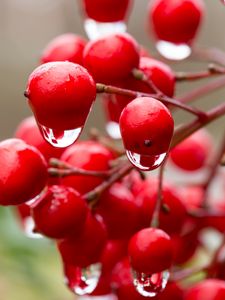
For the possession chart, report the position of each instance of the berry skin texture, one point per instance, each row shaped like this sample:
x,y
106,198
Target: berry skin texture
x,y
193,153
210,289
150,251
59,212
111,58
23,172
87,155
29,132
60,95
175,21
113,205
106,10
146,126
65,47
86,248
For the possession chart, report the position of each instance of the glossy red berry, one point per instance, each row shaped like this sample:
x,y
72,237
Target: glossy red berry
x,y
113,206
65,47
23,172
150,251
146,127
29,132
60,95
172,218
106,10
210,289
59,212
175,21
111,58
90,156
86,248
193,153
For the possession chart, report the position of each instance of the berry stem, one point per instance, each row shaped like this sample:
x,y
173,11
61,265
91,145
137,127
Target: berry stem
x,y
92,196
212,71
205,89
213,170
102,88
186,273
184,130
62,169
158,204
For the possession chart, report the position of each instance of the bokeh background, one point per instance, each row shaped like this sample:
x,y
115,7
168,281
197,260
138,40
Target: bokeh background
x,y
30,269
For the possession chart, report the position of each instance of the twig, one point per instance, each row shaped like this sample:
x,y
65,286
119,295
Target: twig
x,y
92,196
102,88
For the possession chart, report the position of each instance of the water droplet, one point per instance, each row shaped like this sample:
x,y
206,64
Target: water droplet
x,y
173,51
97,30
82,281
103,297
113,130
28,227
149,285
60,139
145,162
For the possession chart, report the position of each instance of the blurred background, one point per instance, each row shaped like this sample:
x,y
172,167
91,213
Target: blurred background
x,y
30,269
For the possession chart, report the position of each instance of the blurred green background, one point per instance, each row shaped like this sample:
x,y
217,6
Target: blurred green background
x,y
30,269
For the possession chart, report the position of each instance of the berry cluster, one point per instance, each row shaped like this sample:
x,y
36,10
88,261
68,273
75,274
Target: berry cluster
x,y
117,230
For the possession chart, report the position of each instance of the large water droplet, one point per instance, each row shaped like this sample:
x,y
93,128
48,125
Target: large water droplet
x,y
145,162
113,130
58,138
149,285
173,51
82,281
28,227
95,30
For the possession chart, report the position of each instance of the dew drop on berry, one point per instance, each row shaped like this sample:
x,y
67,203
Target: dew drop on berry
x,y
173,51
58,138
82,281
96,30
102,297
28,227
113,130
149,285
145,162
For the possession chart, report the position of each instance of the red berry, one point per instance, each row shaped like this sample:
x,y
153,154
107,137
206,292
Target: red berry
x,y
146,127
106,10
175,21
61,95
29,132
65,47
111,58
150,251
59,212
86,248
193,153
87,155
113,205
209,289
172,219
23,172
172,291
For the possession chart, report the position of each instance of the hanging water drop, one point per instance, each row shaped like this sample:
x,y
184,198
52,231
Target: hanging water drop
x,y
113,130
149,285
95,30
173,51
82,281
145,162
28,227
59,138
